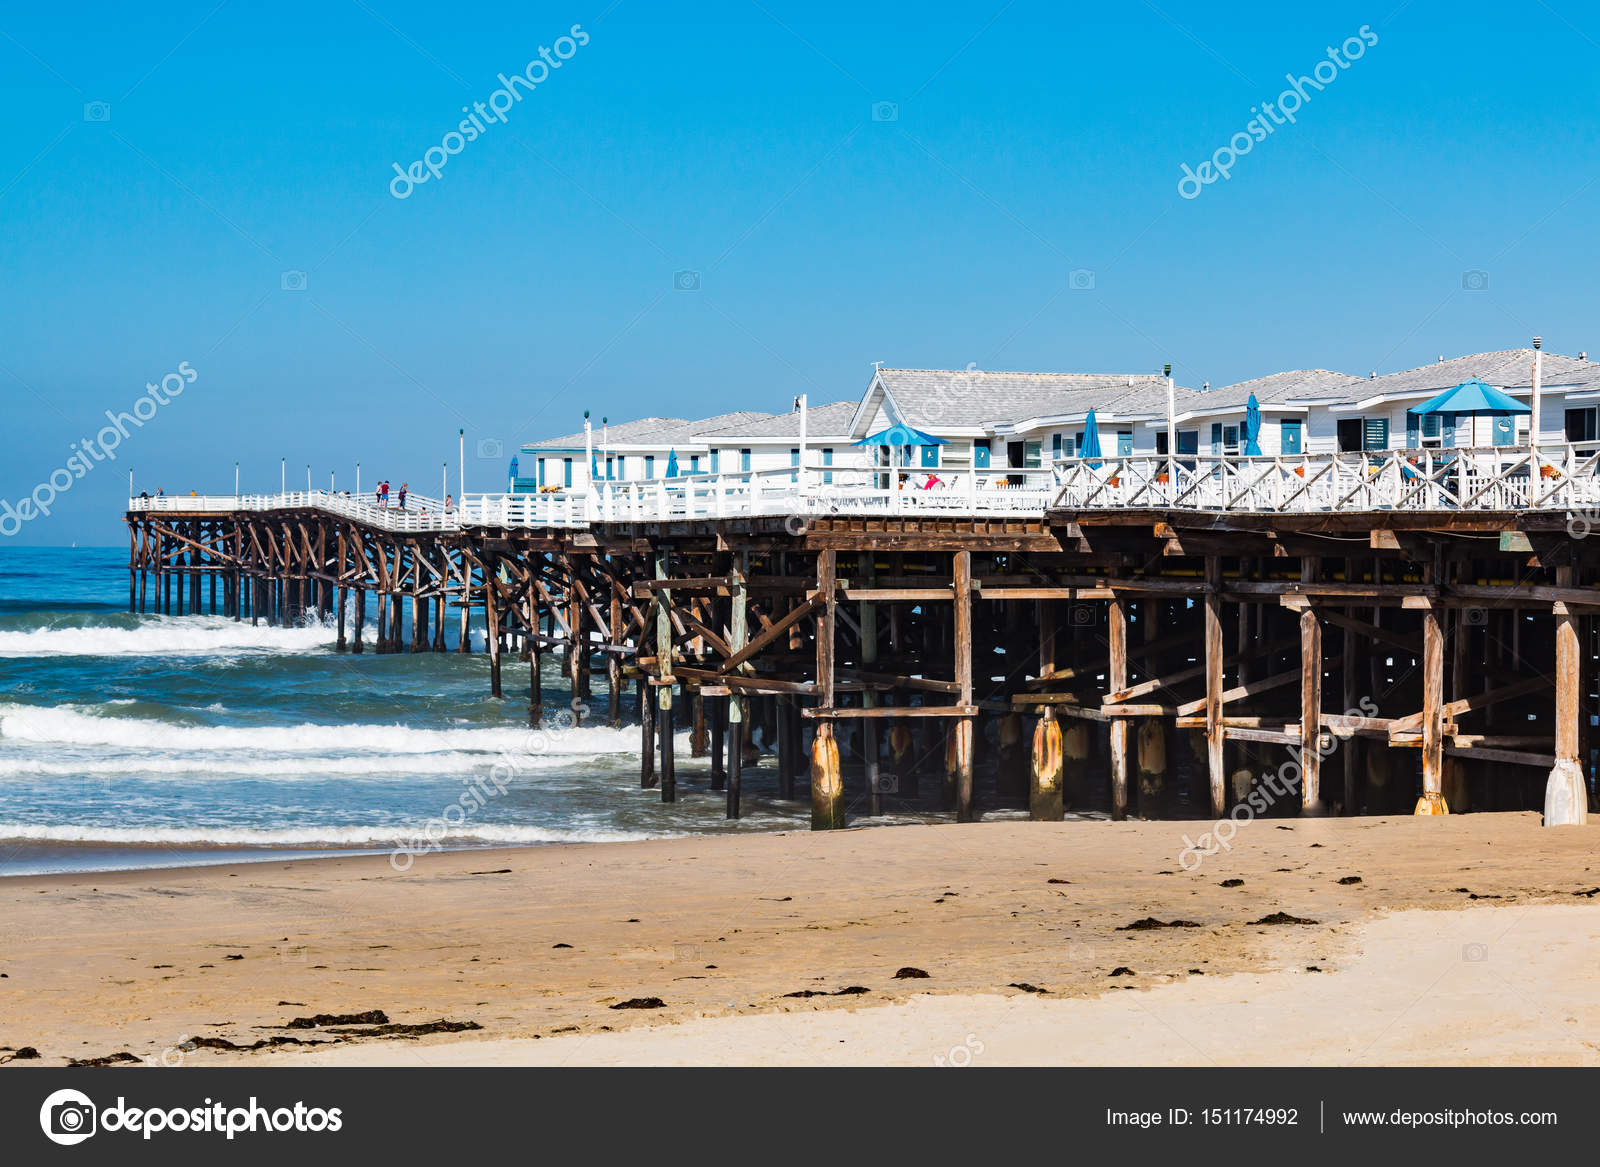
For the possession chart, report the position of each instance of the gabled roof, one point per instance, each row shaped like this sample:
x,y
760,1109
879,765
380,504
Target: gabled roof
x,y
966,399
648,431
1506,369
1295,385
822,422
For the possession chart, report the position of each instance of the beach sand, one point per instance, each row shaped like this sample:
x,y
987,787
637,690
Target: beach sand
x,y
1454,940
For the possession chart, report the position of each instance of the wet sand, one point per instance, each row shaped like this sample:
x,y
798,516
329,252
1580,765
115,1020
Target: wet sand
x,y
1435,940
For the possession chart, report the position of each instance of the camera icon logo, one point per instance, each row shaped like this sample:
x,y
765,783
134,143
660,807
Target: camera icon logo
x,y
1474,953
796,525
1474,617
1081,280
491,449
293,281
886,784
97,111
67,1117
686,280
885,111
1082,616
1475,280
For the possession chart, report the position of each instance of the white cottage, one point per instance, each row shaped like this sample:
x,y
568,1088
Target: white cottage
x,y
1011,421
1325,412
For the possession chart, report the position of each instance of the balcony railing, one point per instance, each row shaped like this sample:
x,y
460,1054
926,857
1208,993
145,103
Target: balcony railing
x,y
1500,478
1493,478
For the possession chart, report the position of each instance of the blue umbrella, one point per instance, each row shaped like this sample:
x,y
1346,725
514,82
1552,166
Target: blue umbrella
x,y
594,468
901,435
672,463
1089,447
1252,427
1475,397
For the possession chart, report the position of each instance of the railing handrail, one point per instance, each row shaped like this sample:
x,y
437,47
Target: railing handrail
x,y
1549,477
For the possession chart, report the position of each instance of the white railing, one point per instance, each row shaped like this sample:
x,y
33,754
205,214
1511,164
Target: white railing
x,y
421,513
1493,478
1501,478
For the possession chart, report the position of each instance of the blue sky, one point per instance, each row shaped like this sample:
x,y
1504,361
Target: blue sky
x,y
536,276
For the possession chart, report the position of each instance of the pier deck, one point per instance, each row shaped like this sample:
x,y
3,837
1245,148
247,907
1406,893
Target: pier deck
x,y
1335,633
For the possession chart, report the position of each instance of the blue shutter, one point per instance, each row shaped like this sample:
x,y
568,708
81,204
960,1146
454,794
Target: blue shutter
x,y
1124,443
716,461
827,460
1055,447
1413,434
649,466
566,471
1375,433
1216,437
980,455
744,459
1289,436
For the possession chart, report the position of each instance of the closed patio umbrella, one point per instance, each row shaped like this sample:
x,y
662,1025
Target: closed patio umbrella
x,y
1252,427
672,463
1090,447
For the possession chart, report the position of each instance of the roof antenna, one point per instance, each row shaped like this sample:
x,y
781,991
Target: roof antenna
x,y
1205,384
1372,376
878,365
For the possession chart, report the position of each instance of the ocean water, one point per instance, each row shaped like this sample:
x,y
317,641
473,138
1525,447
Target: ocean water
x,y
132,741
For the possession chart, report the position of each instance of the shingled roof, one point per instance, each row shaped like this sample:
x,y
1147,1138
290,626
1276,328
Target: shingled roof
x,y
650,431
1295,385
974,398
1506,369
822,421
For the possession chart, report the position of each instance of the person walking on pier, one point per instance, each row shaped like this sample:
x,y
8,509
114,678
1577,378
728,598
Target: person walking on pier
x,y
404,488
383,493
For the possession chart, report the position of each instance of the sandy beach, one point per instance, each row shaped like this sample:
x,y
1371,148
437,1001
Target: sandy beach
x,y
1333,941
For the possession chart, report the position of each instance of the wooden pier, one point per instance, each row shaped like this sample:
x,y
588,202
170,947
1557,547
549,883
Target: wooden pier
x,y
1167,660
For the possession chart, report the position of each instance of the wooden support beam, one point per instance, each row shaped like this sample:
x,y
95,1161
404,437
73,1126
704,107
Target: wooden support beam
x,y
961,573
1432,800
1213,701
1310,706
1117,678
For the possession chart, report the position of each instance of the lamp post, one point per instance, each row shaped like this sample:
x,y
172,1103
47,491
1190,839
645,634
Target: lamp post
x,y
462,434
235,479
444,481
1172,429
588,453
800,404
358,479
1538,376
283,475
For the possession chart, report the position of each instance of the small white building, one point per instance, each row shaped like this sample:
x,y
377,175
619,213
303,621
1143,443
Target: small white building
x,y
772,441
1011,421
1327,412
